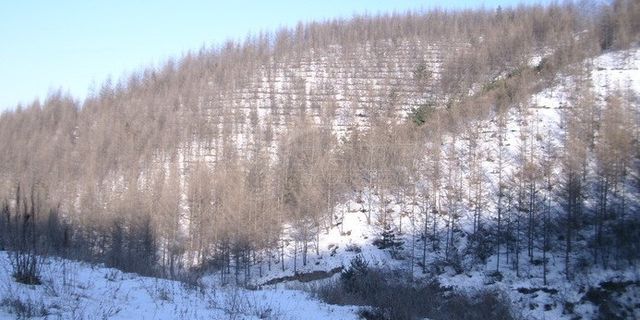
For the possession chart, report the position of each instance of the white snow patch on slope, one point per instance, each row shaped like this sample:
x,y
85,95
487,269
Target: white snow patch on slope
x,y
74,290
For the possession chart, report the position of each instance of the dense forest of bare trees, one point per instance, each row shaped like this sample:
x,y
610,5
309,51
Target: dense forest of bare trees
x,y
225,159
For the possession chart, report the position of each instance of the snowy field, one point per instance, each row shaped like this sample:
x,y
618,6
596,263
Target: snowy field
x,y
73,290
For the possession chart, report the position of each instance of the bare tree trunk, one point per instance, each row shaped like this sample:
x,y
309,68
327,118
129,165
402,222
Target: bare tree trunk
x,y
426,235
295,256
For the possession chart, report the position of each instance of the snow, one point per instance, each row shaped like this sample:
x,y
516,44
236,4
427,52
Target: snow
x,y
75,290
618,70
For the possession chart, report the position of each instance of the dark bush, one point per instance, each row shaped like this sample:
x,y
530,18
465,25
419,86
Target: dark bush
x,y
482,306
421,114
354,279
388,240
23,238
24,309
372,314
391,296
481,245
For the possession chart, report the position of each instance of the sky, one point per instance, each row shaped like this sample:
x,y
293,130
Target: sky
x,y
75,45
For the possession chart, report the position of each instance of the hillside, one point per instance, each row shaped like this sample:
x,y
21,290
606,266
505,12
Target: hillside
x,y
454,158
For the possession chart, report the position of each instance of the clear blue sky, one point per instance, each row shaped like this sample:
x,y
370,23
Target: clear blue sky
x,y
73,44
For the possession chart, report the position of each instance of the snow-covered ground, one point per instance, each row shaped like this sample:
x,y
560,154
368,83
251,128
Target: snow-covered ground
x,y
74,290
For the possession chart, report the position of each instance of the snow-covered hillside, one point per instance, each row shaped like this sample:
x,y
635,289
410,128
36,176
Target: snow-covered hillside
x,y
74,290
542,116
334,85
182,164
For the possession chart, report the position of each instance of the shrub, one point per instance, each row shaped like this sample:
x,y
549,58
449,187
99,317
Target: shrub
x,y
354,278
24,309
24,259
372,314
389,296
421,114
352,248
26,267
388,240
481,306
481,245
